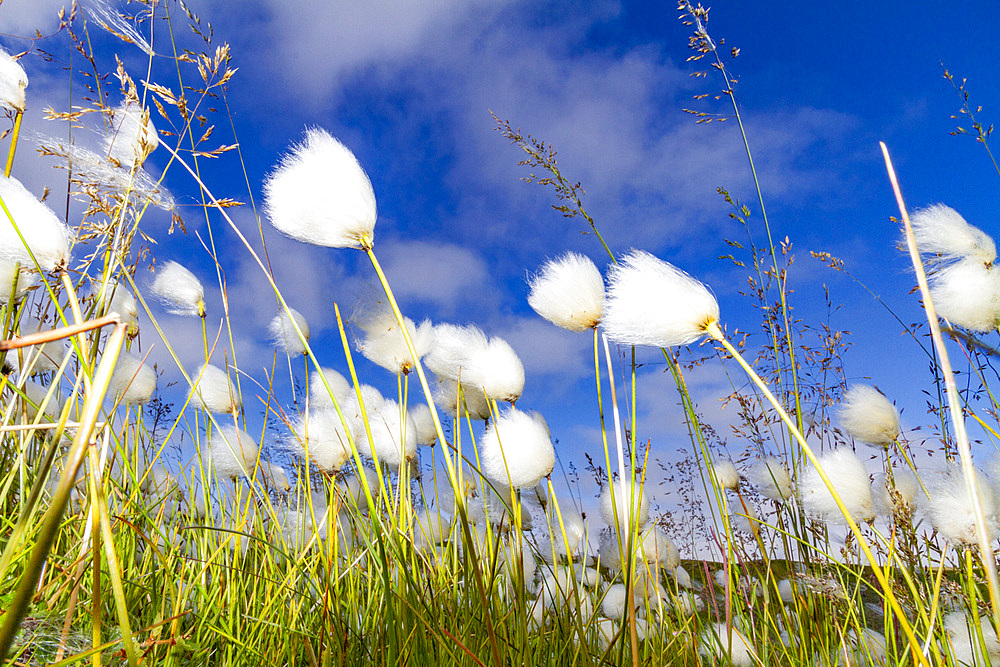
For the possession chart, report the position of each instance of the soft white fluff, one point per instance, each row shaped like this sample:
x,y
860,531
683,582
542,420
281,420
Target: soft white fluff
x,y
384,344
868,416
13,81
179,289
214,391
322,437
275,475
431,526
651,302
967,642
283,333
850,480
624,504
906,488
133,136
456,400
615,602
569,292
133,382
234,452
742,518
575,531
967,294
319,194
393,440
516,450
466,354
726,474
721,642
941,230
357,411
36,394
339,386
123,303
771,479
44,233
656,548
950,509
25,279
353,491
423,422
40,358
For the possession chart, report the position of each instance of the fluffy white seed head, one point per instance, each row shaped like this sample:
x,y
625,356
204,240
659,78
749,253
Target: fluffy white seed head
x,y
743,518
383,342
771,479
897,496
868,416
352,489
569,292
13,81
284,335
37,394
423,422
940,230
133,136
850,480
967,641
516,450
615,603
651,302
25,280
459,398
967,294
393,441
214,391
431,526
48,238
321,436
633,503
179,290
275,475
721,641
124,303
319,194
950,506
657,549
357,411
35,359
567,537
319,397
234,452
466,354
133,382
726,474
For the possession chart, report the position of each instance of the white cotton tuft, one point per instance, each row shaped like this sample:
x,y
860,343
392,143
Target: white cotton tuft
x,y
353,491
950,506
868,416
319,194
48,238
516,450
431,526
625,505
25,280
568,536
459,400
133,136
423,422
37,394
384,344
13,81
771,479
651,302
319,397
720,641
465,354
283,333
743,518
133,382
569,292
321,436
371,400
40,358
967,294
234,452
726,474
124,303
214,391
179,290
275,475
967,641
896,496
393,441
850,480
656,548
615,602
940,230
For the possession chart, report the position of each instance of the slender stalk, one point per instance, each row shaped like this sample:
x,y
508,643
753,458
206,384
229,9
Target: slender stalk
x,y
954,399
13,144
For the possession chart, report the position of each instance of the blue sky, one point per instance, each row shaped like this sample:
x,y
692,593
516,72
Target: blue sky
x,y
409,89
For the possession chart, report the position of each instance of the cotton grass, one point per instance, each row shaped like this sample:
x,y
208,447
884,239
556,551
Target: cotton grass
x,y
179,290
234,452
569,292
284,335
850,480
868,416
45,237
214,391
132,382
516,450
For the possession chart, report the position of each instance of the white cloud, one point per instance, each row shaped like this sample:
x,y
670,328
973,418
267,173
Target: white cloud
x,y
443,275
23,17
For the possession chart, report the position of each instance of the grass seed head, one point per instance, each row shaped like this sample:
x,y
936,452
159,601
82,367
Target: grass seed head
x,y
283,333
850,480
133,136
868,416
48,238
234,452
942,232
13,81
319,194
133,382
516,450
214,391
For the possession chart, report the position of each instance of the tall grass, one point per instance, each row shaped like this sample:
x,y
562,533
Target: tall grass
x,y
123,540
